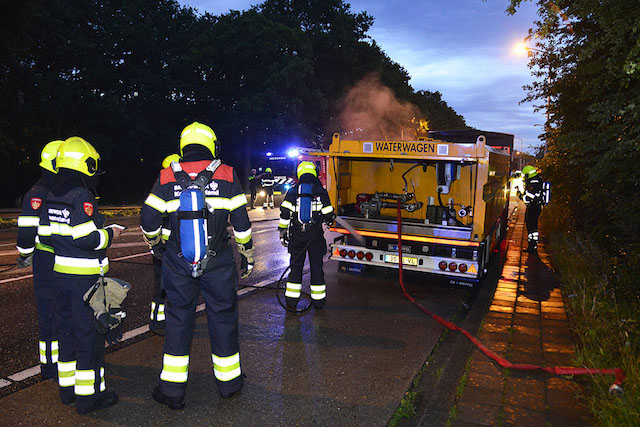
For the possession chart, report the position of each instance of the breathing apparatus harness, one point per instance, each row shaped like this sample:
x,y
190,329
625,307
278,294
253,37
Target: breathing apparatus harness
x,y
195,217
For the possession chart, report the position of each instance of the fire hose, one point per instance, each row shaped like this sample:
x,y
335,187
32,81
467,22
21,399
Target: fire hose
x,y
615,389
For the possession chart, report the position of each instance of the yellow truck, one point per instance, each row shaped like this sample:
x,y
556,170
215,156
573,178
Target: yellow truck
x,y
453,192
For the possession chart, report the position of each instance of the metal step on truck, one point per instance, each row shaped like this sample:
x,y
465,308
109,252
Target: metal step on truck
x,y
453,192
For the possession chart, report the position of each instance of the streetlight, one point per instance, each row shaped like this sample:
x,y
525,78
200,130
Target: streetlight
x,y
520,49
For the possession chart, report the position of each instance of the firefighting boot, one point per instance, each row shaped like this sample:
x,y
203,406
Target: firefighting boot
x,y
106,399
292,303
532,247
318,304
172,402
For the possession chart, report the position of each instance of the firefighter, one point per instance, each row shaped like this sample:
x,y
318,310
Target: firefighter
x,y
267,185
32,251
305,207
253,188
214,275
79,241
158,302
533,198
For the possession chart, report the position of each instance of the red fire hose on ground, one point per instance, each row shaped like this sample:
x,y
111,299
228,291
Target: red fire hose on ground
x,y
619,373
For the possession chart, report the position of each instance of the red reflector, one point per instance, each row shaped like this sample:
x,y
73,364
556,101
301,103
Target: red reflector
x,y
463,268
360,255
368,256
343,253
442,265
352,253
453,266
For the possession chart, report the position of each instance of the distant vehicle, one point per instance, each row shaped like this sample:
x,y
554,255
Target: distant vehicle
x,y
284,167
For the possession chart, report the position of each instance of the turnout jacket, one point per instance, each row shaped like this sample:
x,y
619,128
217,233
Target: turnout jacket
x,y
29,219
321,208
224,198
533,191
72,225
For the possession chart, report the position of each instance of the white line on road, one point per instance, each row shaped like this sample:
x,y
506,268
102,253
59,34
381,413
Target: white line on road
x,y
35,370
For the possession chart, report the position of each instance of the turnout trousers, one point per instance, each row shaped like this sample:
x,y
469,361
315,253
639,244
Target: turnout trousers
x,y
43,288
531,220
218,287
157,302
81,361
316,250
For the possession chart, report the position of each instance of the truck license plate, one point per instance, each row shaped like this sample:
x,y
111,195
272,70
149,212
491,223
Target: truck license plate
x,y
405,260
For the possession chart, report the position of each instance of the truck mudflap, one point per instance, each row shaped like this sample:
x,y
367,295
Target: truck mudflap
x,y
461,269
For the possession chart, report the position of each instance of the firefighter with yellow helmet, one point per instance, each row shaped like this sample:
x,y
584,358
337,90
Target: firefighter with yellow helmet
x,y
268,181
534,198
34,252
200,195
156,315
74,229
304,208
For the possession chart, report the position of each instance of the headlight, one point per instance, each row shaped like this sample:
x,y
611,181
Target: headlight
x,y
262,193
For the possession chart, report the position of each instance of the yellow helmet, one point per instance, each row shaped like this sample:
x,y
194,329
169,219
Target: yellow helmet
x,y
307,167
197,133
48,155
529,171
77,154
170,159
268,170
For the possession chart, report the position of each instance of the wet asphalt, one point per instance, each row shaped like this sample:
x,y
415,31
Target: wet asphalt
x,y
350,363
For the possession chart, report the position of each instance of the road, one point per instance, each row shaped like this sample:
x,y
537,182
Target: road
x,y
368,343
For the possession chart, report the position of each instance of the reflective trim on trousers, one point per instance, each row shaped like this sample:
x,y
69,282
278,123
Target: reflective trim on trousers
x,y
43,352
175,369
226,368
318,291
293,290
85,382
160,316
67,373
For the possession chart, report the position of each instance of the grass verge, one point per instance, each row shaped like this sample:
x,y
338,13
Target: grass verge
x,y
603,294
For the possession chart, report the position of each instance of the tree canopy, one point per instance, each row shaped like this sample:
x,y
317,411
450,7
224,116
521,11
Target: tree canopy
x,y
588,64
129,75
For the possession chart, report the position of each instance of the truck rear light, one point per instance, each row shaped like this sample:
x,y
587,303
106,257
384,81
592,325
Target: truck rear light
x,y
462,268
442,265
352,253
368,256
453,266
360,255
343,253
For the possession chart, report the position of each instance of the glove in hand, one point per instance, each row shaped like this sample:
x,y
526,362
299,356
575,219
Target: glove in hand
x,y
284,237
158,250
247,261
24,262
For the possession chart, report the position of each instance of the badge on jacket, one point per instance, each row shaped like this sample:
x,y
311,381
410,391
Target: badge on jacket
x,y
36,203
88,208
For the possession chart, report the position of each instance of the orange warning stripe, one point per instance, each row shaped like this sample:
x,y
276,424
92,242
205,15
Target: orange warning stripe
x,y
409,238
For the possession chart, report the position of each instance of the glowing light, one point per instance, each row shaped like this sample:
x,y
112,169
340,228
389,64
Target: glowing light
x,y
287,186
269,154
262,193
520,49
293,153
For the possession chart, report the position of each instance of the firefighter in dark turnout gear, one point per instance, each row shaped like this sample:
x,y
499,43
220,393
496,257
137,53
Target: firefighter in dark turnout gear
x,y
267,182
214,275
159,295
33,251
533,198
79,241
253,188
305,207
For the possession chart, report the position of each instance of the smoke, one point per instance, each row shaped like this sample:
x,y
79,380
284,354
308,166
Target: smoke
x,y
372,111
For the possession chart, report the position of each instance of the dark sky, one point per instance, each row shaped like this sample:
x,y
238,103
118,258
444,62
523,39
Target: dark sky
x,y
462,48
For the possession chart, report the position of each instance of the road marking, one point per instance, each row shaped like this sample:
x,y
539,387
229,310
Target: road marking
x,y
35,370
27,373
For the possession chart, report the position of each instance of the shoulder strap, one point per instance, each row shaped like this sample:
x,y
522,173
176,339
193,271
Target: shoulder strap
x,y
201,180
